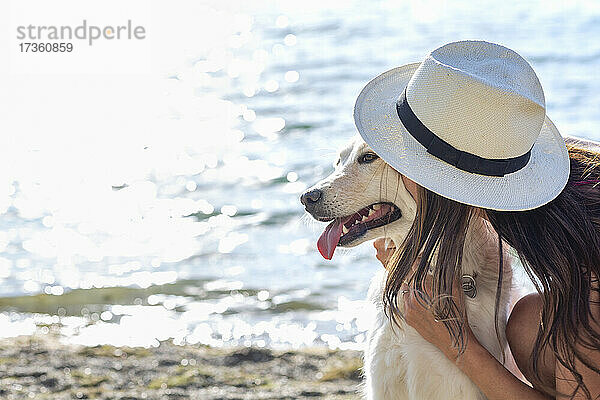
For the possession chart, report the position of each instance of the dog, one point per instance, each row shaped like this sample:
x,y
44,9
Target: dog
x,y
365,199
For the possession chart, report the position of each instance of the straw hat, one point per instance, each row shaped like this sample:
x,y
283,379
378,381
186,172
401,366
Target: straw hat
x,y
468,123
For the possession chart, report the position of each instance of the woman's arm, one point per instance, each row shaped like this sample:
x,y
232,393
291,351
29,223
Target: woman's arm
x,y
495,381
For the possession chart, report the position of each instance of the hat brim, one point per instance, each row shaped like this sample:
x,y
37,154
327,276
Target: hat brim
x,y
539,182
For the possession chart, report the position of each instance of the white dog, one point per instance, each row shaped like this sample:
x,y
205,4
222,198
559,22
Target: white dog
x,y
366,199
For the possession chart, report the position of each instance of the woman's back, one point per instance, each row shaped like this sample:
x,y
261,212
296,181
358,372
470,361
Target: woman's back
x,y
559,244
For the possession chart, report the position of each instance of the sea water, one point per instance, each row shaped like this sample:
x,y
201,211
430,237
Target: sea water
x,y
174,213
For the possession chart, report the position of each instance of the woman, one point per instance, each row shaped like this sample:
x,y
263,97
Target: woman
x,y
468,131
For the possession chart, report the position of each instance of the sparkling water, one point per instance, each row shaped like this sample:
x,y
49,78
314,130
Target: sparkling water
x,y
165,205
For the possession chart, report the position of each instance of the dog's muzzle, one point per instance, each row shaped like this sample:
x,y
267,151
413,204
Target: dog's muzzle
x,y
311,199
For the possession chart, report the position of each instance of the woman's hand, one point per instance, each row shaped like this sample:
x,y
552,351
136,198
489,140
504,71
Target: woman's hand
x,y
422,319
385,248
476,362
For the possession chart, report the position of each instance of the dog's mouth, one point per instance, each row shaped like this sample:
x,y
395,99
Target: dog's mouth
x,y
345,230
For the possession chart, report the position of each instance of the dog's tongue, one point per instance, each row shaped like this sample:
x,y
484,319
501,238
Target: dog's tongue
x,y
330,238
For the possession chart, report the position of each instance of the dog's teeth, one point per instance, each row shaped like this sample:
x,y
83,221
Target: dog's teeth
x,y
344,229
364,218
371,212
376,207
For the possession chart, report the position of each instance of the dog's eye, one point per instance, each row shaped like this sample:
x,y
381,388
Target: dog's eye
x,y
367,158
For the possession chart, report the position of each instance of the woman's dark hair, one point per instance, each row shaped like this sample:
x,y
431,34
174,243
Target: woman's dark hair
x,y
558,245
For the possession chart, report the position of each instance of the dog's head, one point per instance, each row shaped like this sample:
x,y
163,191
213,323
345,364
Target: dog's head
x,y
364,198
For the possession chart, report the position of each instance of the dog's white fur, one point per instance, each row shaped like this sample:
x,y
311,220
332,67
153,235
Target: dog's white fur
x,y
398,362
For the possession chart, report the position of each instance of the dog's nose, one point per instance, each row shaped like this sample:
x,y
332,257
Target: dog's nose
x,y
310,198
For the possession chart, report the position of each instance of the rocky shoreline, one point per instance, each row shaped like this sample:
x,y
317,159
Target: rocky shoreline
x,y
40,367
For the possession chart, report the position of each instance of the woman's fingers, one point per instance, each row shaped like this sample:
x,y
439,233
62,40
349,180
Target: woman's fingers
x,y
419,315
379,244
385,248
412,305
413,310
